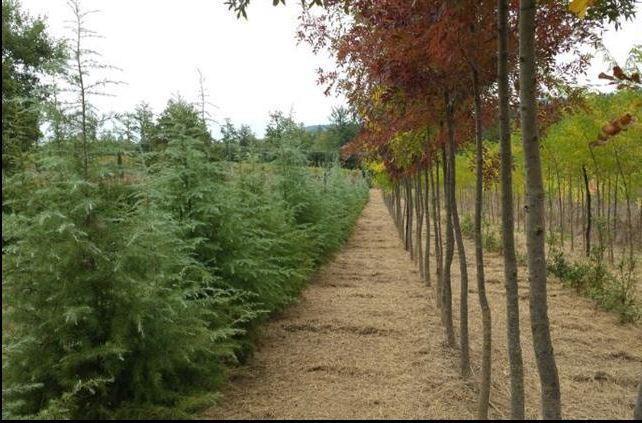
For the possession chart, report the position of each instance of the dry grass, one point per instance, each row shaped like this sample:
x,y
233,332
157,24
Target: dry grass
x,y
599,360
365,341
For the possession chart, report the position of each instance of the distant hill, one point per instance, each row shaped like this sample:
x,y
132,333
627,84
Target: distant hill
x,y
316,128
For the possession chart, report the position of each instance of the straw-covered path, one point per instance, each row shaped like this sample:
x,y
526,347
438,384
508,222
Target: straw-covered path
x,y
365,341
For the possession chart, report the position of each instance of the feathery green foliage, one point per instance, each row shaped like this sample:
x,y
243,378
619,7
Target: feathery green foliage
x,y
131,292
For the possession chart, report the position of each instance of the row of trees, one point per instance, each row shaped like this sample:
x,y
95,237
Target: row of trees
x,y
591,189
428,76
237,143
130,285
322,144
43,76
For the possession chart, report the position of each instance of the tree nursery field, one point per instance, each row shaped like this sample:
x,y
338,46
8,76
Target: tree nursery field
x,y
461,240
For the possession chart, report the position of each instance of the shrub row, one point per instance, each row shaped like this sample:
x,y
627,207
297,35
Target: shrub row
x,y
614,292
127,292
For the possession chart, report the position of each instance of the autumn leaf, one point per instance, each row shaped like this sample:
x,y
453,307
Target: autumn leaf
x,y
579,7
618,73
603,75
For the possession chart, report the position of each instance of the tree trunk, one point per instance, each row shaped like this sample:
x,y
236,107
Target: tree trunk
x,y
409,219
549,196
407,216
419,204
583,215
399,209
608,221
446,294
560,204
637,413
436,221
535,224
508,224
464,356
587,234
83,100
571,211
615,217
629,220
427,217
484,388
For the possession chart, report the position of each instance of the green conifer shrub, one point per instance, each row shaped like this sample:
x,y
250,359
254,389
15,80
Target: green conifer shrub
x,y
129,289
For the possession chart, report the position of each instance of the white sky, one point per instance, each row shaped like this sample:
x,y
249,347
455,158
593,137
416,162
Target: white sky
x,y
250,67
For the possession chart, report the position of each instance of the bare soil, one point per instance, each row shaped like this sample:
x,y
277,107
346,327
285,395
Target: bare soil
x,y
365,341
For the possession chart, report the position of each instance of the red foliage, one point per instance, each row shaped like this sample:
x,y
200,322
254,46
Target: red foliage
x,y
397,60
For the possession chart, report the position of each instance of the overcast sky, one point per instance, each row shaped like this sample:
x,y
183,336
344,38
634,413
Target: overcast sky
x,y
250,67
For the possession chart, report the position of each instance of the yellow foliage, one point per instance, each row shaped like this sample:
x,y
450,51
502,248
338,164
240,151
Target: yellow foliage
x,y
377,94
376,166
579,7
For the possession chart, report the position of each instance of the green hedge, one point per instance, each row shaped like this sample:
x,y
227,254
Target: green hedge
x,y
612,291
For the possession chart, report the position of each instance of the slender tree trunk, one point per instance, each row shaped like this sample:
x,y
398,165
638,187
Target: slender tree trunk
x,y
404,199
637,413
491,215
535,223
639,230
409,219
560,205
419,204
600,200
463,267
404,213
587,234
608,221
508,236
83,100
629,218
583,209
390,198
484,389
446,294
602,197
404,229
436,220
399,210
549,197
571,210
119,164
427,217
615,216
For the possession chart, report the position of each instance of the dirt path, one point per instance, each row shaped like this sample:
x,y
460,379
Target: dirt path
x,y
365,341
